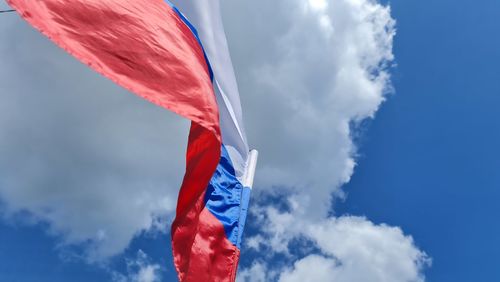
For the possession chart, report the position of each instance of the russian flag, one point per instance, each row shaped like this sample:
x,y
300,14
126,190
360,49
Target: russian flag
x,y
174,55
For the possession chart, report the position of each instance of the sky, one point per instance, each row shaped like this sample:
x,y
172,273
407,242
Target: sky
x,y
377,126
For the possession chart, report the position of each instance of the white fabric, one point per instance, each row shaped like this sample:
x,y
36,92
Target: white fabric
x,y
205,16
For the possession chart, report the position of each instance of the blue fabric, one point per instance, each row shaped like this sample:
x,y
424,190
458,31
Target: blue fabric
x,y
245,200
227,200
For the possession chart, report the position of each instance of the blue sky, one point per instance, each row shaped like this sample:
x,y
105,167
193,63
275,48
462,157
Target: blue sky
x,y
427,162
431,157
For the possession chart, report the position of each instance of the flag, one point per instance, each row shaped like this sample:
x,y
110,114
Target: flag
x,y
177,58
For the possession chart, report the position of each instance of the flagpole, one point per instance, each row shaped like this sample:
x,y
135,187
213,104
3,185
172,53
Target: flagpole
x,y
253,155
247,183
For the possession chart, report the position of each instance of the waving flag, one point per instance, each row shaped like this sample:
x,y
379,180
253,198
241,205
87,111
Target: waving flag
x,y
176,58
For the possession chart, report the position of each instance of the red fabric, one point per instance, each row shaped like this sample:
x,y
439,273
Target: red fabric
x,y
145,47
212,257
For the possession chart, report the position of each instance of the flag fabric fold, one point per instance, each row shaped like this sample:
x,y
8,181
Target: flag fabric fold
x,y
174,55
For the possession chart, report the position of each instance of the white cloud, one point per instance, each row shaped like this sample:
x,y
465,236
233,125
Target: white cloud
x,y
303,86
316,71
311,268
356,250
348,249
139,270
96,163
255,273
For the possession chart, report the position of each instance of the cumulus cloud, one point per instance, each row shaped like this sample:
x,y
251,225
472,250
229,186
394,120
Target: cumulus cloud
x,y
344,249
312,68
139,270
319,67
96,163
100,165
258,272
353,249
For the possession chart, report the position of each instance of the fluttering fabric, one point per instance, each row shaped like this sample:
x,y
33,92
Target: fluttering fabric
x,y
174,55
